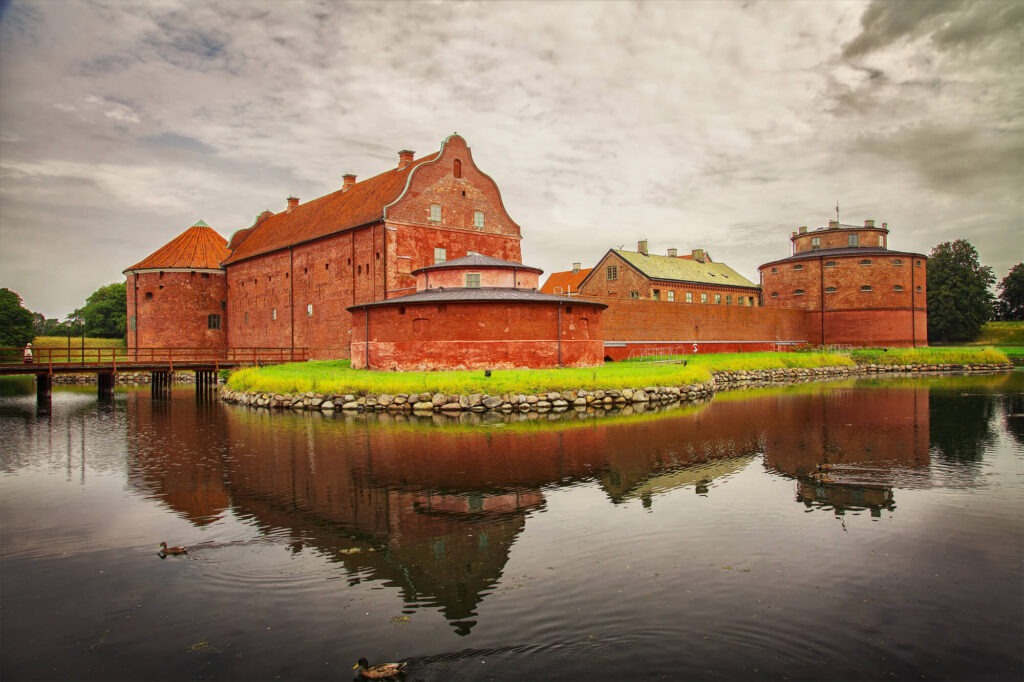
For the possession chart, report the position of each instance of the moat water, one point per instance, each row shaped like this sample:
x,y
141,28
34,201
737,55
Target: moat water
x,y
686,543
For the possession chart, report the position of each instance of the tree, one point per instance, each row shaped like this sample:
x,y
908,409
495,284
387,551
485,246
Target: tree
x,y
106,312
15,320
959,300
1011,295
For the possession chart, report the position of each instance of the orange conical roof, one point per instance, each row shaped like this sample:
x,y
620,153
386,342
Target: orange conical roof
x,y
198,247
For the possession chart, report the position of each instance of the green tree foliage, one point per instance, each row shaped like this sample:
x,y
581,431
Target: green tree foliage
x,y
959,300
106,312
15,320
1011,295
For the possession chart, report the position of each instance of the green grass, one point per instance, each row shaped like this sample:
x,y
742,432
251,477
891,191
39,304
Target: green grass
x,y
334,376
57,348
1001,334
952,355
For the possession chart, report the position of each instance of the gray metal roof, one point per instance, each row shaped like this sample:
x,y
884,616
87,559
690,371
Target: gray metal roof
x,y
474,294
476,260
845,251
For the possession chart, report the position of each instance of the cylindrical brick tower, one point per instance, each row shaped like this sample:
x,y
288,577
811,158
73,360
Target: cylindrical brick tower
x,y
177,297
855,290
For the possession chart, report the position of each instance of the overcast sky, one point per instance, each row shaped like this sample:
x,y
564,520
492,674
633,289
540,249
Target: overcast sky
x,y
719,125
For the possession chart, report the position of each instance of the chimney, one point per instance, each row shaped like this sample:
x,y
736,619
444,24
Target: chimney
x,y
803,229
833,224
404,158
641,246
349,179
673,253
869,223
292,203
576,267
885,226
698,255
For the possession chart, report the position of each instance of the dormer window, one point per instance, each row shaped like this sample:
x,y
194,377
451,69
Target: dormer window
x,y
435,213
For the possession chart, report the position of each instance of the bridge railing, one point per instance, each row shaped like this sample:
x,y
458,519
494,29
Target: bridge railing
x,y
115,358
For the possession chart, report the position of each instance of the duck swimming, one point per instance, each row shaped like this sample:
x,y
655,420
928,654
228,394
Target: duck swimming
x,y
164,549
381,671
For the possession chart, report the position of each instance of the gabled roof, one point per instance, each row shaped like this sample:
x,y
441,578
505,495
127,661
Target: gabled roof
x,y
683,270
197,248
360,204
566,281
477,260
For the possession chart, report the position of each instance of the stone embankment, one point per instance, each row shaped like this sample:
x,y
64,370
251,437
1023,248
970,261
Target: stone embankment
x,y
568,399
122,378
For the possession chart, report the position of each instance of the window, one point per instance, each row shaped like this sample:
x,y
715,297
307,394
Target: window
x,y
246,318
917,264
440,255
401,310
798,292
775,294
897,288
613,272
866,287
671,295
718,299
865,262
442,307
919,287
634,294
897,262
457,169
815,242
853,240
798,267
473,280
830,264
775,271
568,309
205,275
689,297
309,310
728,299
478,220
751,301
213,321
830,290
655,294
131,322
149,295
881,240
435,213
703,298
273,314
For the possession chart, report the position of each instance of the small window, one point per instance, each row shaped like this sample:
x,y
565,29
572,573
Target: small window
x,y
798,267
442,307
149,295
246,318
205,275
671,295
775,271
634,294
718,299
815,242
775,294
440,255
830,290
830,264
798,292
162,274
568,309
359,269
213,321
401,310
327,266
473,280
309,310
655,294
160,287
919,287
689,297
131,322
273,314
866,287
897,288
435,213
897,262
223,305
881,240
865,262
853,240
613,272
728,299
917,264
458,168
703,298
751,298
478,220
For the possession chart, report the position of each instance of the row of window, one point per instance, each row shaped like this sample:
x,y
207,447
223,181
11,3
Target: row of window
x,y
851,240
671,296
832,290
831,264
435,216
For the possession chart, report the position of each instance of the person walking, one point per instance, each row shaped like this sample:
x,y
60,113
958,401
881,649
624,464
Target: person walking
x,y
28,352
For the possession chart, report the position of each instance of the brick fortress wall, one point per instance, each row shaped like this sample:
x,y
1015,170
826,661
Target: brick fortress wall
x,y
171,309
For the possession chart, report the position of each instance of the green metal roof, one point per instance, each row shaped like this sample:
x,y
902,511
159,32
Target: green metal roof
x,y
684,270
200,223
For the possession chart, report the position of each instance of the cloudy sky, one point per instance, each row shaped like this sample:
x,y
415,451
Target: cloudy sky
x,y
719,125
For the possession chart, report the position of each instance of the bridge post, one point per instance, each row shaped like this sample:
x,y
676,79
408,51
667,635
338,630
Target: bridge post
x,y
105,385
44,390
160,384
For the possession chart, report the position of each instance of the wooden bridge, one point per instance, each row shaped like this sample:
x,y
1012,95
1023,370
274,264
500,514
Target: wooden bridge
x,y
161,363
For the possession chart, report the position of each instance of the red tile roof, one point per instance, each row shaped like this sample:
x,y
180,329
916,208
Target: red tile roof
x,y
198,247
360,204
565,280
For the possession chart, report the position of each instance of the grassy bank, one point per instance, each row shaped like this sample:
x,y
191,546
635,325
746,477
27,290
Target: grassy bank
x,y
336,376
940,355
59,345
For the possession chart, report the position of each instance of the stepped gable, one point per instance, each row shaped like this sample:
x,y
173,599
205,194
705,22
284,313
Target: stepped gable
x,y
197,248
684,269
362,203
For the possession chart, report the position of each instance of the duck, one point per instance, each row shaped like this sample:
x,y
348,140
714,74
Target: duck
x,y
381,671
164,549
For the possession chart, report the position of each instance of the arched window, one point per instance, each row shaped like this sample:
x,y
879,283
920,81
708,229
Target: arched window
x,y
458,168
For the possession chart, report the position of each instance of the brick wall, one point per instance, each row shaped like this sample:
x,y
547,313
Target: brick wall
x,y
171,309
839,238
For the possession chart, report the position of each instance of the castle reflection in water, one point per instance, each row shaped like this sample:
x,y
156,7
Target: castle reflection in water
x,y
434,507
